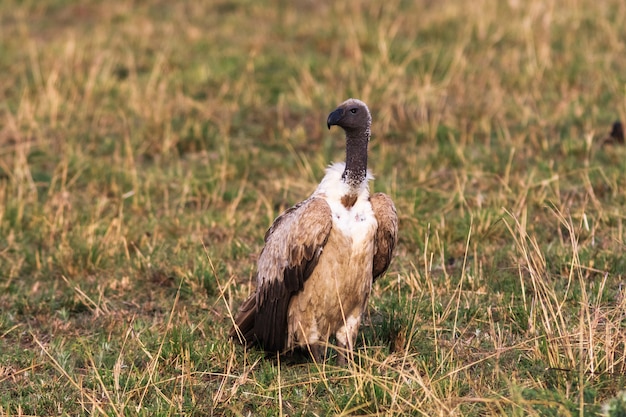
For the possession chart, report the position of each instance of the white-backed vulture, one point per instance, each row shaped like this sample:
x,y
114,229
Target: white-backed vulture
x,y
321,256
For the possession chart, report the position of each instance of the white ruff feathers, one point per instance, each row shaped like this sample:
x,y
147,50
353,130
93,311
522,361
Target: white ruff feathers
x,y
334,188
358,221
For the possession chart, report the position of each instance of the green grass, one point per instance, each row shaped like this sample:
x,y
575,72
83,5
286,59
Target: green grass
x,y
145,148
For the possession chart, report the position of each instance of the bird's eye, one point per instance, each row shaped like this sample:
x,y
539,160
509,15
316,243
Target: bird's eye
x,y
353,111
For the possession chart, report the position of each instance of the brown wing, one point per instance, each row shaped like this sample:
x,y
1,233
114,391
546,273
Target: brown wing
x,y
293,245
386,234
243,328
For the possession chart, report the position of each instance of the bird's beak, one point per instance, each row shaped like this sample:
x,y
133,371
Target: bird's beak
x,y
334,117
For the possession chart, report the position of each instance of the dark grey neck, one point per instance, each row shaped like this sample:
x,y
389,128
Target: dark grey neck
x,y
356,158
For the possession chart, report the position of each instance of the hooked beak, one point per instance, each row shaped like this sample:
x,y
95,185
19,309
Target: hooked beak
x,y
334,117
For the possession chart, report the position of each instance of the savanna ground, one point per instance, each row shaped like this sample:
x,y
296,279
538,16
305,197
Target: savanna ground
x,y
145,148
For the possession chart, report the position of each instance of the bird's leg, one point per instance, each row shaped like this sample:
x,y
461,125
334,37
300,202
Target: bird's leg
x,y
317,351
342,359
346,336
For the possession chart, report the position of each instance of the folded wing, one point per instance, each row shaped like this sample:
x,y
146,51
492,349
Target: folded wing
x,y
386,234
293,245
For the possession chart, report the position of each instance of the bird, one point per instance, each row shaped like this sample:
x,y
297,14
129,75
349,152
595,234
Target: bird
x,y
321,257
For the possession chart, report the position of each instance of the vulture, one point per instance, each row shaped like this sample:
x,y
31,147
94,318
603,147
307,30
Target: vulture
x,y
321,256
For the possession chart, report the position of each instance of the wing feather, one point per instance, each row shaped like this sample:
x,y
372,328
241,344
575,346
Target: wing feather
x,y
386,234
293,245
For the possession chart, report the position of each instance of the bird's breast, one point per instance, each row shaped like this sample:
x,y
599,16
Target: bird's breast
x,y
357,223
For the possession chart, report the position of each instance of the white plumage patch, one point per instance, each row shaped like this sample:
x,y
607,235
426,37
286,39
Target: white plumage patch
x,y
358,221
334,187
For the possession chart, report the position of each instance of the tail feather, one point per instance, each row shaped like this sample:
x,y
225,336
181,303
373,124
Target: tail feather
x,y
243,329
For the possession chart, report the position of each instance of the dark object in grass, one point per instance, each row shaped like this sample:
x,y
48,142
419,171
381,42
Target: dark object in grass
x,y
321,256
616,136
617,132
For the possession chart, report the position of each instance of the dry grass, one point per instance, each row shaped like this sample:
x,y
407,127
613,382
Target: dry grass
x,y
144,149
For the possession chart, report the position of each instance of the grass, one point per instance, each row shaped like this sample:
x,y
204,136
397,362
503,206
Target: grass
x,y
145,148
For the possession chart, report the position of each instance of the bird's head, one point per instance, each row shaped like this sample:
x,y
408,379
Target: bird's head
x,y
352,115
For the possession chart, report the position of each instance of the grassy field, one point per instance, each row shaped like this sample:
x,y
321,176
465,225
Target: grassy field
x,y
145,148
